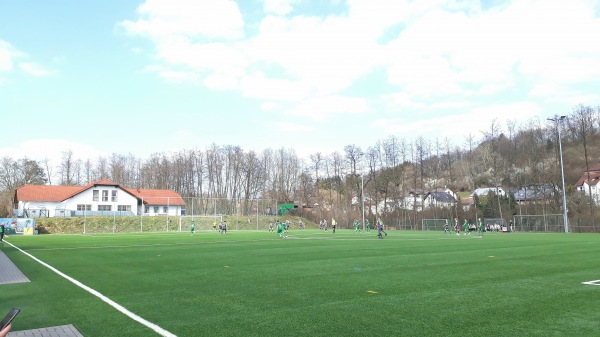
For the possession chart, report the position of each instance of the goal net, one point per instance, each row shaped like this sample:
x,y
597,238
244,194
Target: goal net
x,y
539,223
434,224
202,222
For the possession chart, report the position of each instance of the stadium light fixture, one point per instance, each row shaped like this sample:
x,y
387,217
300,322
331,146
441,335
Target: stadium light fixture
x,y
557,121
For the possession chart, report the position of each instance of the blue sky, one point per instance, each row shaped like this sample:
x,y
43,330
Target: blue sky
x,y
103,77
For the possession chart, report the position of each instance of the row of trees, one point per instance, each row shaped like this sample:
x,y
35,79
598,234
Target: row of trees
x,y
508,155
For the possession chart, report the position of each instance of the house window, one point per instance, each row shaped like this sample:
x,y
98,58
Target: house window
x,y
165,209
124,208
156,209
82,207
104,207
95,195
104,195
113,197
146,209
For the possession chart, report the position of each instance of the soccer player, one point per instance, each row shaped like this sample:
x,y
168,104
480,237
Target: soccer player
x,y
356,227
300,224
193,228
446,227
270,226
224,227
466,225
480,227
368,226
456,226
214,226
1,232
380,227
280,228
325,225
379,230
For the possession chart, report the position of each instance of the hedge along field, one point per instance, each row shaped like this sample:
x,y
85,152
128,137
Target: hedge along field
x,y
136,224
313,283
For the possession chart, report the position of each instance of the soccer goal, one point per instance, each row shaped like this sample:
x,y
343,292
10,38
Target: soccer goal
x,y
202,222
539,223
434,224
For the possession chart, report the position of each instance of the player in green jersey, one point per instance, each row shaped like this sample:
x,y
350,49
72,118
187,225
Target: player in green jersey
x,y
356,227
280,229
192,228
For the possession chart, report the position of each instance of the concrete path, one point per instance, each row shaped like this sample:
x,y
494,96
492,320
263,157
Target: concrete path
x,y
57,331
9,273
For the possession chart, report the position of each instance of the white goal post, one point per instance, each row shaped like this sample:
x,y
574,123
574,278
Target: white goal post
x,y
539,223
202,222
434,224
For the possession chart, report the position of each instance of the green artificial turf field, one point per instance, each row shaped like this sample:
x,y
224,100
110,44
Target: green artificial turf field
x,y
314,283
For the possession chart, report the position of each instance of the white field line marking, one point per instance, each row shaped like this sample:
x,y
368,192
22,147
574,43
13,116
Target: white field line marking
x,y
110,302
592,283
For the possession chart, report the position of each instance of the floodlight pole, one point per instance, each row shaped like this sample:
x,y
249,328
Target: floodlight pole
x,y
362,197
557,121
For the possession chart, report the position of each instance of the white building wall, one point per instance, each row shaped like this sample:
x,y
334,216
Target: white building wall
x,y
153,210
595,191
36,207
87,198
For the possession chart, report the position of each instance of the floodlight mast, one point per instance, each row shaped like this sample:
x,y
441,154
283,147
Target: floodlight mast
x,y
557,121
362,199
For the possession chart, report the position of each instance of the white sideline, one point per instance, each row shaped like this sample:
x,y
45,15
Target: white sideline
x,y
110,302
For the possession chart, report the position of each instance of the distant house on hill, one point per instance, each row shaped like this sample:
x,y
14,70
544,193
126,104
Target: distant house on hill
x,y
439,200
104,197
589,181
483,191
536,192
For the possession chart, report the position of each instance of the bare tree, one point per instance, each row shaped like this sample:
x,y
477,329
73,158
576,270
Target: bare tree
x,y
66,169
583,121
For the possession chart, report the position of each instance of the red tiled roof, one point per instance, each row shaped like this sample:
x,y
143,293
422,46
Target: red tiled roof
x,y
594,178
595,167
61,193
46,193
157,197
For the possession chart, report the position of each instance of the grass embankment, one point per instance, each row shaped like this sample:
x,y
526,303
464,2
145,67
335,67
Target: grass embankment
x,y
136,224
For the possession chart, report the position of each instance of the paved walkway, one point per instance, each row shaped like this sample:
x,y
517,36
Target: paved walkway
x,y
9,273
57,331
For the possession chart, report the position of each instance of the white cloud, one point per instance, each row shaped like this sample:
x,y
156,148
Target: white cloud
x,y
278,7
437,55
7,54
458,126
35,69
293,127
457,52
11,57
321,108
270,106
257,85
52,149
328,53
159,19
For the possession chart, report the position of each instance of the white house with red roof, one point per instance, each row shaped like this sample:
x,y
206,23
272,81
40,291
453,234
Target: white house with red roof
x,y
589,182
103,197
